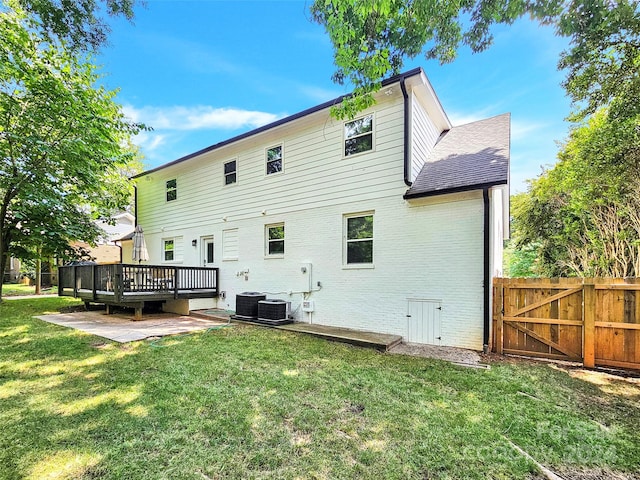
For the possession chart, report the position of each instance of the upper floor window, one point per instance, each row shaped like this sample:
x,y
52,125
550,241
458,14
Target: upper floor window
x,y
172,190
358,135
274,159
358,239
230,172
274,239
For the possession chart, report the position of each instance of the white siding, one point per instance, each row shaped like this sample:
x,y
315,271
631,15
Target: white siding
x,y
430,248
424,135
230,244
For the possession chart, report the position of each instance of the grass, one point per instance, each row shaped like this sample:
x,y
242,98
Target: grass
x,y
15,289
251,402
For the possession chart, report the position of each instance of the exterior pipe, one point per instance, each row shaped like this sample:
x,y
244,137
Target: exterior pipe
x,y
487,266
135,205
403,87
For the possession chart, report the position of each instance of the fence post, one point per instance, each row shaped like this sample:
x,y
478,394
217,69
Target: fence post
x,y
589,325
499,309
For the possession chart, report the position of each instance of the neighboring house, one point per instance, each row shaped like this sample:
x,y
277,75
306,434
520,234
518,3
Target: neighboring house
x,y
12,270
392,222
106,250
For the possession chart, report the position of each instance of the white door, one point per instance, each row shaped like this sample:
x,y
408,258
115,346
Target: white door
x,y
423,321
206,256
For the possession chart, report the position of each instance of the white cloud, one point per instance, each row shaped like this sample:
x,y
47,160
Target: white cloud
x,y
150,141
522,130
459,118
200,117
319,94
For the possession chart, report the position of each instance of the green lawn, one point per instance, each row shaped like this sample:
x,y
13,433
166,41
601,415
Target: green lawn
x,y
251,402
14,289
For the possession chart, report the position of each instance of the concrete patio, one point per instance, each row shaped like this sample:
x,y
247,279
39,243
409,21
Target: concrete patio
x,y
121,327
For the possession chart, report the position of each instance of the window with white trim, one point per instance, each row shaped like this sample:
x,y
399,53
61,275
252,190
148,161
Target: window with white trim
x,y
168,250
274,160
274,240
230,172
358,239
358,135
172,190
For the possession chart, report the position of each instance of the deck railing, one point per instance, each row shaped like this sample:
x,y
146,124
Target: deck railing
x,y
121,280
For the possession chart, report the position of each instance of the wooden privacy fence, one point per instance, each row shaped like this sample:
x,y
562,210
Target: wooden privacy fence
x,y
593,320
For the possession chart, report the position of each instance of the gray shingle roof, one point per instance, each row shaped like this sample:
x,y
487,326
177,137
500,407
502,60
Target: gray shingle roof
x,y
466,157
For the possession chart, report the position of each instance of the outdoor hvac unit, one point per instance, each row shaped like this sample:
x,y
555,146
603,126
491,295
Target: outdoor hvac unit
x,y
247,304
273,310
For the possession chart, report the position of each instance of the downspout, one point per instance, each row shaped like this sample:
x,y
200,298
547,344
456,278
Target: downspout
x,y
487,266
135,205
406,132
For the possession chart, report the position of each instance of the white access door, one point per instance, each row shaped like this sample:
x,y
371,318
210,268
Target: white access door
x,y
206,257
423,321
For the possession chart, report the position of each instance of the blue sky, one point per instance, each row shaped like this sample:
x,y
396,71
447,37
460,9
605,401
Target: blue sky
x,y
199,72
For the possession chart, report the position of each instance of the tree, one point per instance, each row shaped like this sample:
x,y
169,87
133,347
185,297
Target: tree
x,y
63,145
372,38
78,23
582,216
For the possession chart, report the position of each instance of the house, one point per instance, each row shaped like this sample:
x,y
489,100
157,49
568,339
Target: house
x,y
392,222
106,250
12,270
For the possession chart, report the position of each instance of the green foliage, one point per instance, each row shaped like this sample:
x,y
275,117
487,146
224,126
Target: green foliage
x,y
372,38
79,24
602,63
583,215
64,155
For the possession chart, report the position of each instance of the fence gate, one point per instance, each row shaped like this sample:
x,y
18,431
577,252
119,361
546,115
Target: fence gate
x,y
594,320
542,319
423,321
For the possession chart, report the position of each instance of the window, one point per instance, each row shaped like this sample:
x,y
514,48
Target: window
x,y
274,159
172,190
275,239
358,135
230,172
168,250
358,239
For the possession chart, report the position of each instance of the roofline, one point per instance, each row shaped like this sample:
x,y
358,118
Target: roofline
x,y
464,188
277,123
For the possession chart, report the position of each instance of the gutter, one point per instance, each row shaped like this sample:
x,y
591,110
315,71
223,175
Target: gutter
x,y
486,273
403,87
459,189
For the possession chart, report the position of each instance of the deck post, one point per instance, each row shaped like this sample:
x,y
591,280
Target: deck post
x,y
138,314
75,281
175,282
94,279
118,283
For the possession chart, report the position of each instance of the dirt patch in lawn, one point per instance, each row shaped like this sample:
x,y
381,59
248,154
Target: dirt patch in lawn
x,y
459,356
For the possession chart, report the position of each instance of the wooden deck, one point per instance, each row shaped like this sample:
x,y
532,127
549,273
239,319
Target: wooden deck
x,y
133,285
